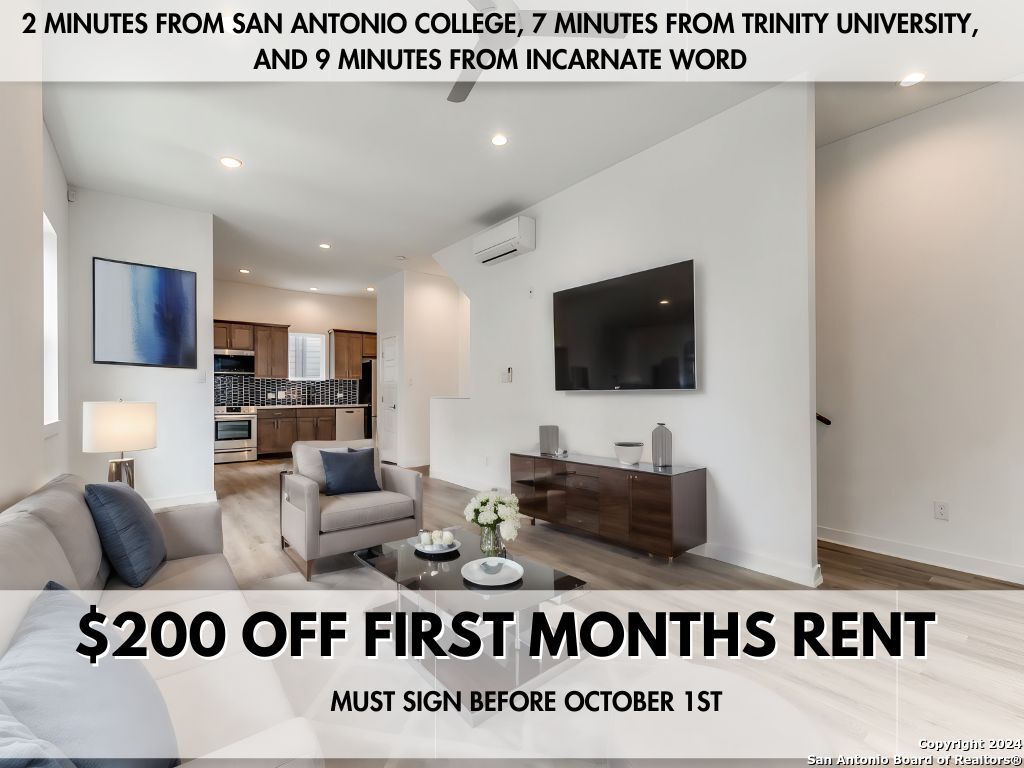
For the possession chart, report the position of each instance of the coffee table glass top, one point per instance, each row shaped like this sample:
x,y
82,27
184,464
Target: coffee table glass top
x,y
400,562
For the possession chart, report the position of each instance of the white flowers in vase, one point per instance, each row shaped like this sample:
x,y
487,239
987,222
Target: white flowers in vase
x,y
495,509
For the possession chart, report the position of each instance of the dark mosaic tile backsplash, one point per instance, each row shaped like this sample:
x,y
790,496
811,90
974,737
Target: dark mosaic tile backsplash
x,y
248,390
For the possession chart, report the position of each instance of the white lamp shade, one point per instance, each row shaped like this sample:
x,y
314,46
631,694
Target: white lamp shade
x,y
117,427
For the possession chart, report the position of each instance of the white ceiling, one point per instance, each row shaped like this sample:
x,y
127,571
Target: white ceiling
x,y
385,170
377,170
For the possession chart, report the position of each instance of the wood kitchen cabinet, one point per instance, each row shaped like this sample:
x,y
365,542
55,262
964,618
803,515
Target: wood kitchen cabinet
x,y
369,345
271,343
661,511
276,430
347,353
314,423
228,335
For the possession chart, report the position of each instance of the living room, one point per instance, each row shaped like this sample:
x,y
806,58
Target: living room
x,y
730,176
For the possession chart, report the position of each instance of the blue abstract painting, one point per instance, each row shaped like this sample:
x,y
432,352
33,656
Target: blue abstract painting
x,y
143,315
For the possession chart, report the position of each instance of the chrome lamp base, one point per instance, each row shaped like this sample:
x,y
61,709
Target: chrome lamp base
x,y
121,471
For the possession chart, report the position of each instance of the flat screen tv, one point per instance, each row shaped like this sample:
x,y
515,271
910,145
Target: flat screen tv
x,y
632,332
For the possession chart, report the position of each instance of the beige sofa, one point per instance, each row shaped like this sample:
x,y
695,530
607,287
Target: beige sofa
x,y
315,525
50,536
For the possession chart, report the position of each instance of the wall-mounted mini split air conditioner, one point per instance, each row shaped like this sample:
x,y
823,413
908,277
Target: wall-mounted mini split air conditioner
x,y
513,237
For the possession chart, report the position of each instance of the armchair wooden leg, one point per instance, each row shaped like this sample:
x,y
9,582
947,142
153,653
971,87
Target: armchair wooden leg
x,y
309,570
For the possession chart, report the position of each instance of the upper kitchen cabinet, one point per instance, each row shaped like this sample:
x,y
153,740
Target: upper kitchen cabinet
x,y
227,335
348,348
271,343
369,345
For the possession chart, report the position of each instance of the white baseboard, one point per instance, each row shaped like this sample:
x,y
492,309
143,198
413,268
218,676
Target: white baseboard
x,y
809,576
178,501
993,569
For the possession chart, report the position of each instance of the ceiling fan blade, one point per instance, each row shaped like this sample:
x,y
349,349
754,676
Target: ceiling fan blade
x,y
468,77
460,91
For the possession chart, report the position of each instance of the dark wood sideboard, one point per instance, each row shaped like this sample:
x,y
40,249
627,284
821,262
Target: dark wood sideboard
x,y
662,511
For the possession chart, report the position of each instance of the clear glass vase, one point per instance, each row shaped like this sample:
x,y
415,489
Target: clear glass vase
x,y
490,541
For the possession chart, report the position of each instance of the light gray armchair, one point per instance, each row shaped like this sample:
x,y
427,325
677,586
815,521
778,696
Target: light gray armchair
x,y
316,525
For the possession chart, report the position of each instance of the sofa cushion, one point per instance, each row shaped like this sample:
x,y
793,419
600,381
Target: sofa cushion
x,y
354,510
20,747
113,710
203,572
61,505
309,463
129,533
30,556
349,472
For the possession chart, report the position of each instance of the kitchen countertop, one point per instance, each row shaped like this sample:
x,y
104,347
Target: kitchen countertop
x,y
328,405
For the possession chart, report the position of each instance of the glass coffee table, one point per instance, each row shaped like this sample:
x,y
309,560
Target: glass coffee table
x,y
408,568
435,583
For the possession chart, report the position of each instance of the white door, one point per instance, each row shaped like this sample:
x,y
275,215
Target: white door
x,y
387,418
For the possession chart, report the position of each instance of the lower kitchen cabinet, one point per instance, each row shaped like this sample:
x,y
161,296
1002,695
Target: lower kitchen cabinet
x,y
276,431
278,428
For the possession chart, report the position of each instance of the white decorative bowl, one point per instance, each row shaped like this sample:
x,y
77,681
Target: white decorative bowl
x,y
629,453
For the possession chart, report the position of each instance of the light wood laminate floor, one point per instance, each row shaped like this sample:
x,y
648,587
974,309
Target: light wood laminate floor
x,y
248,493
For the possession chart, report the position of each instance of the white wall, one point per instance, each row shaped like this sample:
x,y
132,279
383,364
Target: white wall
x,y
921,332
733,193
23,462
430,366
55,205
424,311
180,469
305,312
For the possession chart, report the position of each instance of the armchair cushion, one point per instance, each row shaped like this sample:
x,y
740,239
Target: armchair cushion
x,y
349,471
309,462
354,510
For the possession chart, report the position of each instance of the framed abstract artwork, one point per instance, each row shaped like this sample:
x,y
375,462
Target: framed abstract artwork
x,y
143,315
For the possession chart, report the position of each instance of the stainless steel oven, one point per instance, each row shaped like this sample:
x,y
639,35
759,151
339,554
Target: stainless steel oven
x,y
234,433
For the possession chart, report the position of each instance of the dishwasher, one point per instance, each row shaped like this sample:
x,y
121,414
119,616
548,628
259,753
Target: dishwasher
x,y
348,424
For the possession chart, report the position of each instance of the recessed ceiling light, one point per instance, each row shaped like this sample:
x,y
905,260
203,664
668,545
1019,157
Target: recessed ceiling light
x,y
325,246
231,162
499,139
243,271
663,301
313,289
402,258
912,79
371,289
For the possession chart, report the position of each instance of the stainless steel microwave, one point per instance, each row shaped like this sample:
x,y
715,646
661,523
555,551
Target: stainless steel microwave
x,y
240,362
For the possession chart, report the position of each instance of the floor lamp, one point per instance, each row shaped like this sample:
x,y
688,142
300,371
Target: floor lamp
x,y
109,427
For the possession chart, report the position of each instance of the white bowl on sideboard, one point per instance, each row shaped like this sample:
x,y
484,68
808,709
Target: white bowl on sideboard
x,y
628,452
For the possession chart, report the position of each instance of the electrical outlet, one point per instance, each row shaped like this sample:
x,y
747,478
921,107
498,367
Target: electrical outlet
x,y
941,510
271,396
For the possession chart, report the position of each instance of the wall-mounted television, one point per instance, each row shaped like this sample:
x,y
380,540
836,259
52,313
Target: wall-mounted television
x,y
627,333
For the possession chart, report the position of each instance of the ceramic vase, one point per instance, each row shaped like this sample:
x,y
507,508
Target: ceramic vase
x,y
661,446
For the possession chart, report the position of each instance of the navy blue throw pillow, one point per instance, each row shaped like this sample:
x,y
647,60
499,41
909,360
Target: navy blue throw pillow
x,y
349,472
110,714
129,533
